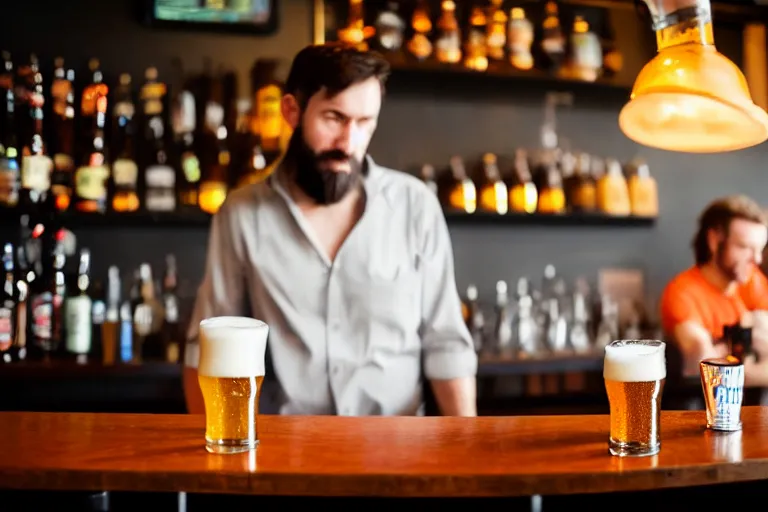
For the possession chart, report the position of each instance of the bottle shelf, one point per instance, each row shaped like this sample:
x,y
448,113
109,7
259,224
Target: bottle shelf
x,y
72,220
542,219
406,68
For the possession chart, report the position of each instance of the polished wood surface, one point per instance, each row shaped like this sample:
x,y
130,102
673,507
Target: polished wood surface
x,y
374,456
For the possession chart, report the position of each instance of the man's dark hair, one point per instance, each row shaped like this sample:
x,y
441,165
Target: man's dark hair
x,y
335,67
718,216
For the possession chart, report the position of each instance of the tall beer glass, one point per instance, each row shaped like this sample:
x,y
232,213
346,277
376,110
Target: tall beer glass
x,y
230,372
635,372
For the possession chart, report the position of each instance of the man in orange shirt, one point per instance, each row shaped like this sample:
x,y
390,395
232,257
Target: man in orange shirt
x,y
723,288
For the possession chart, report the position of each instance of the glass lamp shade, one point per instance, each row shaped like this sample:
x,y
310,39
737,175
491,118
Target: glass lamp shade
x,y
690,98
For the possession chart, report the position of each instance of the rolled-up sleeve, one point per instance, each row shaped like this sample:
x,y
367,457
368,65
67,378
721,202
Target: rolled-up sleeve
x,y
222,291
447,344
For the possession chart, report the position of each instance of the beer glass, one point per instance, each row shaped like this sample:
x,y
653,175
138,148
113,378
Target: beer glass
x,y
634,373
230,373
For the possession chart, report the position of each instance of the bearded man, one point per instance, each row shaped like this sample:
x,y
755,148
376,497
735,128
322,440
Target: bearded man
x,y
349,263
724,287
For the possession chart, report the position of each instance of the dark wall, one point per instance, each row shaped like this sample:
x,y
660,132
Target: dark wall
x,y
420,124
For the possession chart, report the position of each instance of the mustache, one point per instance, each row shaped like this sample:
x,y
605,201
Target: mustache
x,y
333,155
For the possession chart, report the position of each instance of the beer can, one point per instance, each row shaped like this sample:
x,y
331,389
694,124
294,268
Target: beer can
x,y
722,381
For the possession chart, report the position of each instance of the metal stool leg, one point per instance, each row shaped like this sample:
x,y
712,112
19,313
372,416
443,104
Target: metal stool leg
x,y
182,502
536,503
98,502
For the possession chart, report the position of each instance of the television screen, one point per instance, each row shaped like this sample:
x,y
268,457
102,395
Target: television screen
x,y
225,12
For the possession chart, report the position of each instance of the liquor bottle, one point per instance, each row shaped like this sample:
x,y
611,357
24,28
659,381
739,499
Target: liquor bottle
x,y
355,32
36,165
148,320
267,121
553,40
497,31
159,176
171,332
24,275
502,330
93,172
215,156
46,298
63,140
520,39
77,311
586,53
389,29
523,196
184,123
612,190
643,190
110,335
419,45
125,171
461,193
474,318
493,194
9,151
476,51
7,306
448,44
98,317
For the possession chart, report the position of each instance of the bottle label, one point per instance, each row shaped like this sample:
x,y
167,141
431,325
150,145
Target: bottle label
x,y
161,200
125,172
160,176
9,181
36,172
42,316
77,315
171,309
161,181
587,52
191,166
90,182
6,327
520,36
99,312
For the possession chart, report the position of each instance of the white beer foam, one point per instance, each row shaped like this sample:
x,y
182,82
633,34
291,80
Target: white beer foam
x,y
232,346
635,362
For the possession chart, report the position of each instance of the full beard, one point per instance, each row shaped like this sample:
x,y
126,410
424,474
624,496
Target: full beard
x,y
313,175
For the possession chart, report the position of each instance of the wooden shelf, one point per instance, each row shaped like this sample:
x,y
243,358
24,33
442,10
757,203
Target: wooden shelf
x,y
541,219
74,221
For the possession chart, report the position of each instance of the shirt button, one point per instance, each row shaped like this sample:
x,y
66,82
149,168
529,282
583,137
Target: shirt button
x,y
335,370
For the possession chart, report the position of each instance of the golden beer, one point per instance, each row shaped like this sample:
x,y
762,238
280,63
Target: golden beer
x,y
635,372
230,373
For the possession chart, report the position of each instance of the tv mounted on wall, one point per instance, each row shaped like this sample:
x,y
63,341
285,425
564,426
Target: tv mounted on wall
x,y
250,16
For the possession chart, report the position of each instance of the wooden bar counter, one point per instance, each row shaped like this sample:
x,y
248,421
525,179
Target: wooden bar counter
x,y
374,456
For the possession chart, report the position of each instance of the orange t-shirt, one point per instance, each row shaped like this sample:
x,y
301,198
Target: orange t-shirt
x,y
689,296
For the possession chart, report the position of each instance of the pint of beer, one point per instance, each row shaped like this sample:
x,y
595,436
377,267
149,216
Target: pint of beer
x,y
634,372
230,372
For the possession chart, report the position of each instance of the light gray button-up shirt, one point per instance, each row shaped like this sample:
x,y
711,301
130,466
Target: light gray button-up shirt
x,y
346,337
